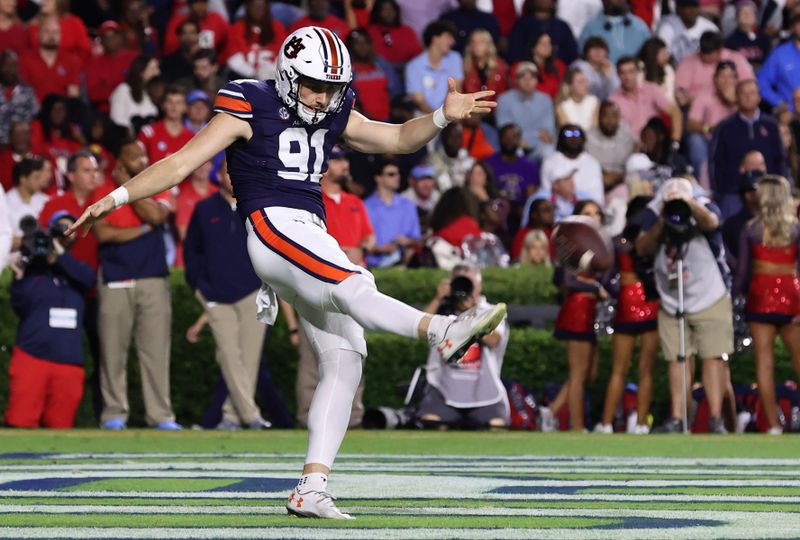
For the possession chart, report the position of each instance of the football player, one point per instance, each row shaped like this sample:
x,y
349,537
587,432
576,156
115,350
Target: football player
x,y
276,134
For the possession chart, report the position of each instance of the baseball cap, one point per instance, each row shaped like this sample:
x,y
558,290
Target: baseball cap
x,y
108,26
423,171
60,214
196,95
337,152
687,3
522,67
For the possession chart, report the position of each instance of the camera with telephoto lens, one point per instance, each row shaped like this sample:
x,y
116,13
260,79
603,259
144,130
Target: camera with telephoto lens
x,y
461,288
678,223
37,243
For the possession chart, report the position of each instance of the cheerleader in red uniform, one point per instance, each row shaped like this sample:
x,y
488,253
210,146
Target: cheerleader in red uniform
x,y
767,270
575,325
635,316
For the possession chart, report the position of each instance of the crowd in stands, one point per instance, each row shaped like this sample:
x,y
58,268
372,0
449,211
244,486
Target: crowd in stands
x,y
598,100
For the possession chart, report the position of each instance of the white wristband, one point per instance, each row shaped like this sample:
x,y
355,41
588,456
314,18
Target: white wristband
x,y
439,119
120,196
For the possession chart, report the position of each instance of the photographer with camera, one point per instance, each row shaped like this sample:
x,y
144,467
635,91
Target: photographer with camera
x,y
468,394
682,230
47,294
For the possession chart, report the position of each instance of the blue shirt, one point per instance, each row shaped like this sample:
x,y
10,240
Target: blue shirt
x,y
423,78
622,39
531,114
140,258
390,221
780,75
215,253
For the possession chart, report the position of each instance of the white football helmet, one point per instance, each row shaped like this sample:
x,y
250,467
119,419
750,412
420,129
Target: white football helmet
x,y
318,54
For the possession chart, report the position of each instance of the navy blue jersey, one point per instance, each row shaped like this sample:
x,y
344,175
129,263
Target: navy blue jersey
x,y
282,163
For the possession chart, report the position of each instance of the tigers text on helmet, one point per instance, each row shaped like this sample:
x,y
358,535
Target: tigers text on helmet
x,y
318,54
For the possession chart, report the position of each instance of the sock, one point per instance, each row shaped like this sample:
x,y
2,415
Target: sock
x,y
312,482
437,328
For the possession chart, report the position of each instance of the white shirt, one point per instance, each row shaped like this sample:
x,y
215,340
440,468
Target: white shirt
x,y
17,208
588,174
682,41
576,13
5,231
584,113
123,107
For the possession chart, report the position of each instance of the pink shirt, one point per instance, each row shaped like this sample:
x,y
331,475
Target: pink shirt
x,y
637,109
697,78
709,109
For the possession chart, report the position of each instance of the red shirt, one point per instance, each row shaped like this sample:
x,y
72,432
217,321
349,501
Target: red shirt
x,y
74,38
497,81
44,79
474,140
85,247
159,143
331,22
550,83
238,42
57,149
14,37
506,15
397,45
7,160
519,242
125,216
372,91
187,199
455,232
213,33
347,220
104,73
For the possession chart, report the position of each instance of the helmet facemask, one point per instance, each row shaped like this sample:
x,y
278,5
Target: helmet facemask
x,y
307,112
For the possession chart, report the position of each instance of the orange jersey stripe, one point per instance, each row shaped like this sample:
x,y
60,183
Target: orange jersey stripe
x,y
233,104
298,257
334,52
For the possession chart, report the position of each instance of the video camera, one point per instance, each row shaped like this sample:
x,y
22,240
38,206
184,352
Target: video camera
x,y
461,288
37,243
679,226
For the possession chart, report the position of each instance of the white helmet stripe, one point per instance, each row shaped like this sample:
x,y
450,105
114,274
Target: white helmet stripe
x,y
324,48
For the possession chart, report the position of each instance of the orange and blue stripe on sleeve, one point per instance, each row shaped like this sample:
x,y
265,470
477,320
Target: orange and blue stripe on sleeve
x,y
296,254
234,103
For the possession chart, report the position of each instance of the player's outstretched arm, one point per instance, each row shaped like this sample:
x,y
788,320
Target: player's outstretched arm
x,y
373,137
222,131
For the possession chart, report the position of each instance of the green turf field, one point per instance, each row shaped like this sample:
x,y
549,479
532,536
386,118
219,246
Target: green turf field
x,y
141,484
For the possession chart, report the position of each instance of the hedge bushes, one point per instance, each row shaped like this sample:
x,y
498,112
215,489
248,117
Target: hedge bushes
x,y
533,356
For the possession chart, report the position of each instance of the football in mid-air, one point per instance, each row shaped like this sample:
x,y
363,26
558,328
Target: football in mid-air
x,y
580,246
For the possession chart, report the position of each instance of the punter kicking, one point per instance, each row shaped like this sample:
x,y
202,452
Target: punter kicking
x,y
276,135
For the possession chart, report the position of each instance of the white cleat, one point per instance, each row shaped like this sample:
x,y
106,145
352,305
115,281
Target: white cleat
x,y
465,330
547,422
314,504
775,431
641,429
603,428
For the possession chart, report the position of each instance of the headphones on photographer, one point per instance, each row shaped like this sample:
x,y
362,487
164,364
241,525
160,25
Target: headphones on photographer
x,y
626,21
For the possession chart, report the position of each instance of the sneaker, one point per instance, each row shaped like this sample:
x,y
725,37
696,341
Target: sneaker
x,y
775,431
642,429
169,425
716,425
546,421
603,428
465,330
228,425
114,423
314,504
673,425
260,423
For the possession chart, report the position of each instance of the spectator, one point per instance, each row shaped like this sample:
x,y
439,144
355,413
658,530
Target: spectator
x,y
709,110
46,370
681,32
180,64
483,68
212,28
48,68
319,14
551,69
586,171
192,191
539,16
54,137
26,197
394,220
428,73
205,74
374,79
6,235
468,19
138,34
451,161
538,215
470,394
530,109
751,170
198,110
655,60
598,69
130,104
134,299
106,71
638,101
776,78
479,139
167,136
748,38
253,42
347,218
422,192
579,106
659,161
623,32
392,40
455,217
12,31
695,76
578,13
738,134
19,147
17,100
217,269
517,177
535,249
481,182
768,16
74,37
418,15
611,143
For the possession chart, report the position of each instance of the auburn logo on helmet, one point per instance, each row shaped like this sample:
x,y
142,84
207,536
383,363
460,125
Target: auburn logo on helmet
x,y
293,47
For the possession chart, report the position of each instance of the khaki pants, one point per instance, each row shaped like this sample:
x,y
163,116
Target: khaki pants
x,y
709,333
308,378
239,338
144,312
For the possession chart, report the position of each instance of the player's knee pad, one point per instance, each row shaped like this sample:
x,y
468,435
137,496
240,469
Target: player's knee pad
x,y
355,288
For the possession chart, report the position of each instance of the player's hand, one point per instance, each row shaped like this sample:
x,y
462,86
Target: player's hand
x,y
458,106
94,213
